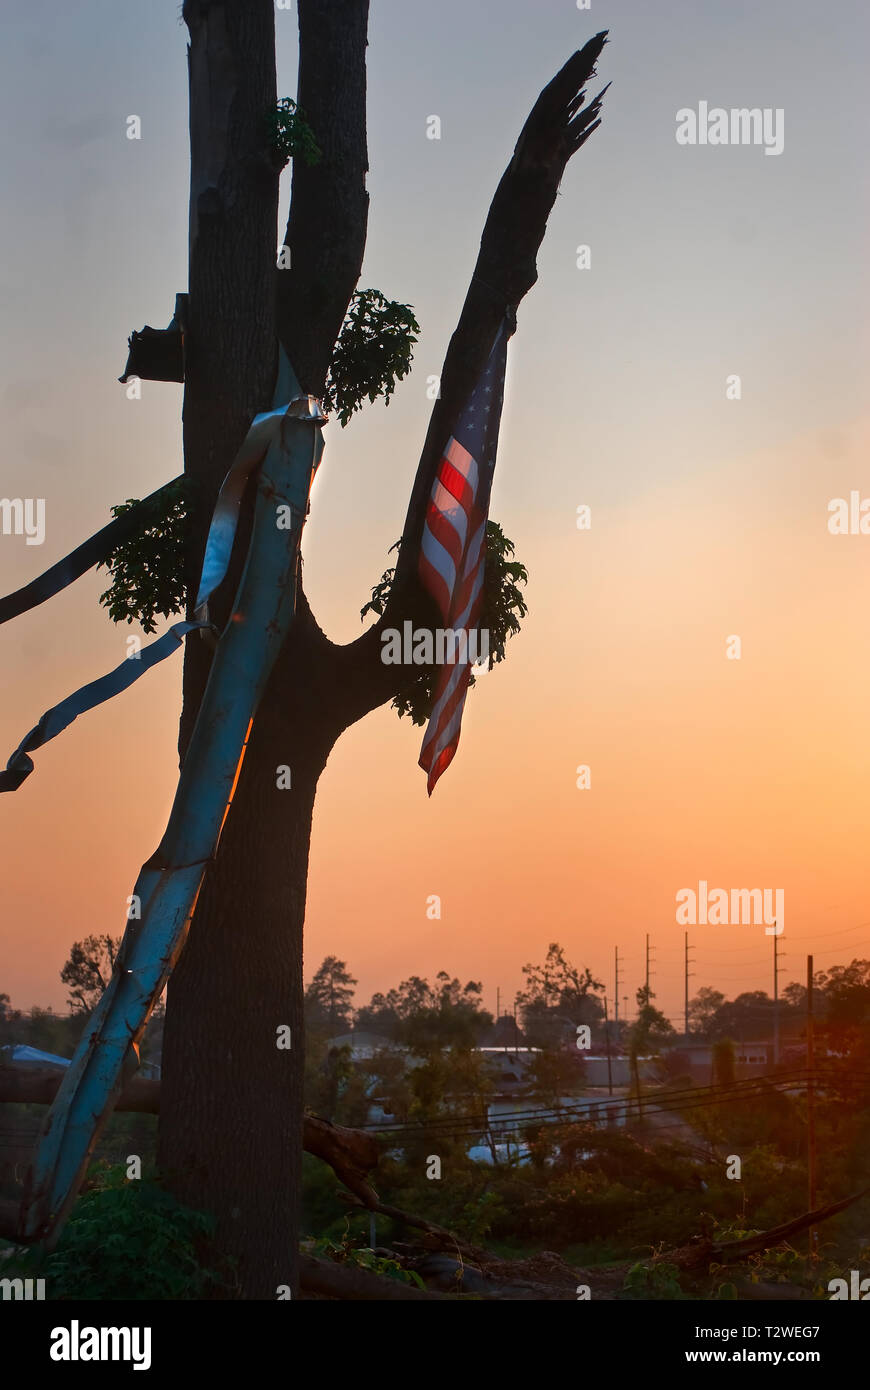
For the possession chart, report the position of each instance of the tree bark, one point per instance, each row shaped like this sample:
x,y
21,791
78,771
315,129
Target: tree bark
x,y
232,1108
231,1123
221,1145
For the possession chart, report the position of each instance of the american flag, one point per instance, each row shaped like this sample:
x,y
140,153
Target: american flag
x,y
453,547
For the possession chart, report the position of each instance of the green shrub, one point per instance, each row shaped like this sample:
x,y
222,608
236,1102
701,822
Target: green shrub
x,y
127,1240
653,1282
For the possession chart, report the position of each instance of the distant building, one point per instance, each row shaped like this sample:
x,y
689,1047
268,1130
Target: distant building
x,y
750,1059
514,1103
597,1074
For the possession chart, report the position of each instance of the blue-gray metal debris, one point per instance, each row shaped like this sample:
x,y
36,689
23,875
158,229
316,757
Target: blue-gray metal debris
x,y
59,717
169,882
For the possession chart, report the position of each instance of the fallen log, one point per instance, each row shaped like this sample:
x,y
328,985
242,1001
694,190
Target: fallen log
x,y
751,1245
703,1251
435,1237
350,1153
26,1085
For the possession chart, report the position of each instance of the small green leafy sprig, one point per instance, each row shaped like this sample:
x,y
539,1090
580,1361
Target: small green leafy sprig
x,y
373,352
290,135
148,570
503,610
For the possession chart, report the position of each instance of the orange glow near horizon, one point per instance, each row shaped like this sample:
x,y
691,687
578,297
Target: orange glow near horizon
x,y
749,773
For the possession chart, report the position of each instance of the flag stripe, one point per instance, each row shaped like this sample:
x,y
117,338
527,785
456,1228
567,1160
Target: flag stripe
x,y
449,718
457,485
437,571
449,529
451,563
448,673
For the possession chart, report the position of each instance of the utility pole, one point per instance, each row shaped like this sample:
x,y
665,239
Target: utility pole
x,y
616,984
688,972
648,972
607,1035
497,1003
811,1106
635,1067
776,960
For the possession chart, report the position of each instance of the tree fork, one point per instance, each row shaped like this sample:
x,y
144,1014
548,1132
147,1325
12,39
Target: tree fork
x,y
557,126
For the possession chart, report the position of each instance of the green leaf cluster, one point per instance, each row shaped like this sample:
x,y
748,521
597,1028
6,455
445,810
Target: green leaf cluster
x,y
360,1257
290,135
656,1281
504,608
148,571
373,352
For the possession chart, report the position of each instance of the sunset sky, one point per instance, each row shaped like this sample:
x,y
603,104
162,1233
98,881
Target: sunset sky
x,y
709,516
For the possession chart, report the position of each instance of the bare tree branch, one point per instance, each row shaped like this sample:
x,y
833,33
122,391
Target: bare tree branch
x,y
506,266
765,1240
506,269
703,1251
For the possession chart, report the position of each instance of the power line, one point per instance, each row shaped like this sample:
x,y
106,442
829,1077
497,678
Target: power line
x,y
688,973
836,931
715,1093
776,959
507,1125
